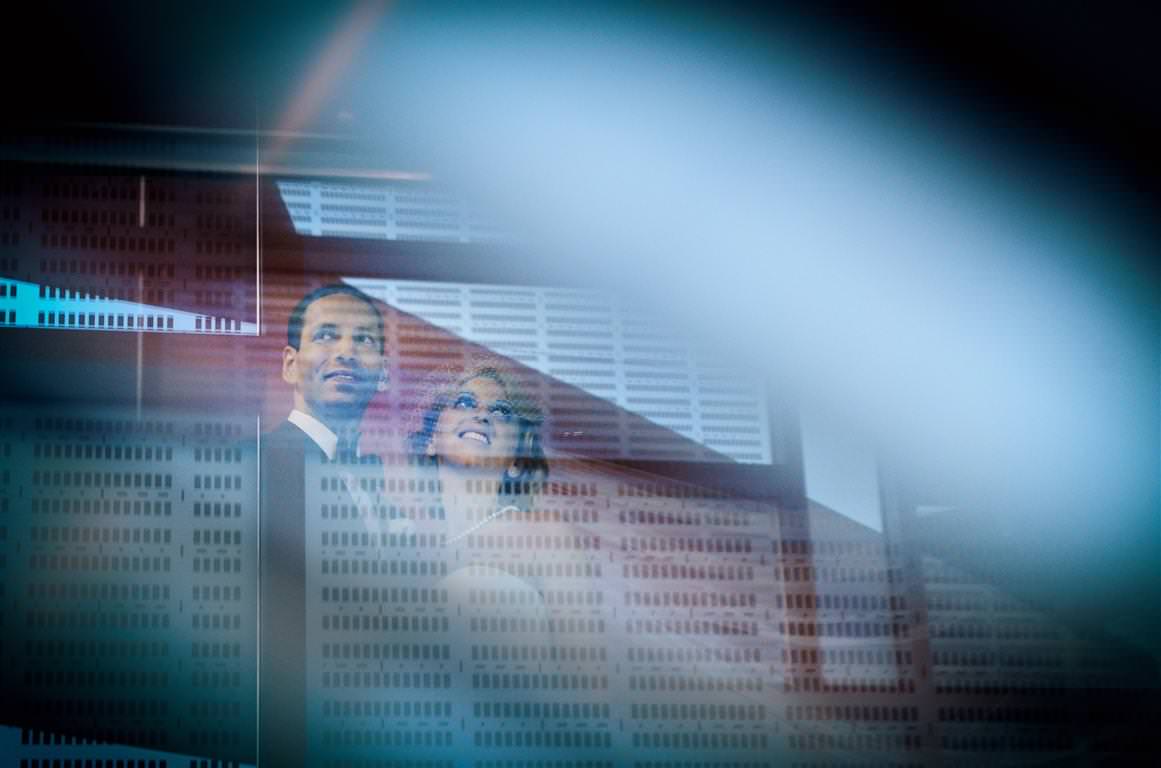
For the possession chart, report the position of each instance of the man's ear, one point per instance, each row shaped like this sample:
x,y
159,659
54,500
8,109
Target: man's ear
x,y
290,365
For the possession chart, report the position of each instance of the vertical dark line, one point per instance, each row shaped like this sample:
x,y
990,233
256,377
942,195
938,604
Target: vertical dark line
x,y
282,615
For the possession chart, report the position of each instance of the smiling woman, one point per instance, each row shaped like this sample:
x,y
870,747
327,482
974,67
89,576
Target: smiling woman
x,y
480,433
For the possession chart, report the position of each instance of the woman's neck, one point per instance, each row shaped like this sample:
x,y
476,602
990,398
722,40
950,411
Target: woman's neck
x,y
468,496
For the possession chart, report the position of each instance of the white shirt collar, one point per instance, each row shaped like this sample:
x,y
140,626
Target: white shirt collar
x,y
327,440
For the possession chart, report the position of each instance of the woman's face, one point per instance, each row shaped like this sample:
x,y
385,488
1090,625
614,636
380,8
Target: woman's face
x,y
478,428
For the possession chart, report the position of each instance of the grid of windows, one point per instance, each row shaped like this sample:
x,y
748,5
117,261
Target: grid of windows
x,y
621,617
108,251
670,402
130,604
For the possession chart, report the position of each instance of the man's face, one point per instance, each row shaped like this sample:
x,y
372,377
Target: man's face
x,y
337,365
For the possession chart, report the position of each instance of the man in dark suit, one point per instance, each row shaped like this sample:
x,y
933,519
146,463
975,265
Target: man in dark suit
x,y
334,360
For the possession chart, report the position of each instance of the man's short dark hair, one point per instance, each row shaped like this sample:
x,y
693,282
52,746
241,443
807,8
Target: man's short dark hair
x,y
294,326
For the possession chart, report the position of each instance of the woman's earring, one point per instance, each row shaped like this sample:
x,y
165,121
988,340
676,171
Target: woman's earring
x,y
513,471
429,451
382,385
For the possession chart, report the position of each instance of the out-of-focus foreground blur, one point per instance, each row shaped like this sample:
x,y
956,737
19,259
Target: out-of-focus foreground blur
x,y
842,322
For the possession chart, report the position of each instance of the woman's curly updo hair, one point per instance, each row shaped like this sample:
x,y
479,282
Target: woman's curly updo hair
x,y
441,389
